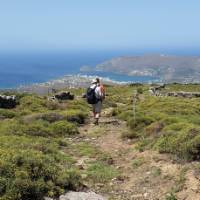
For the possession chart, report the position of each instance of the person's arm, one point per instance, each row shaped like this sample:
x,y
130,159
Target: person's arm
x,y
102,89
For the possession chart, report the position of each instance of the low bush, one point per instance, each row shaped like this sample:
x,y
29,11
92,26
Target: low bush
x,y
171,196
168,124
51,117
29,173
86,149
137,162
75,116
183,141
101,172
140,90
32,159
33,103
16,127
131,134
5,113
38,128
139,122
63,128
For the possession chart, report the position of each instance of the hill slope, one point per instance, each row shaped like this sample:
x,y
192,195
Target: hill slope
x,y
167,68
48,147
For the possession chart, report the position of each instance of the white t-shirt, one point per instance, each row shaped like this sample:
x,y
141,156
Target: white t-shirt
x,y
98,92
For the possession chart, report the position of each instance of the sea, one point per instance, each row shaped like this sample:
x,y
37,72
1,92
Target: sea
x,y
26,68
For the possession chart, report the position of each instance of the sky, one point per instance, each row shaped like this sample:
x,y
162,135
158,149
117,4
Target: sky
x,y
99,24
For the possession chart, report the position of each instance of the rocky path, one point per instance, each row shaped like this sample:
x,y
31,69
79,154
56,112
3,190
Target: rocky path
x,y
143,175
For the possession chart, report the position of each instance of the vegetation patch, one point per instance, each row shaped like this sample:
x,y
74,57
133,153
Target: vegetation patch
x,y
168,124
100,172
32,159
170,196
30,169
137,162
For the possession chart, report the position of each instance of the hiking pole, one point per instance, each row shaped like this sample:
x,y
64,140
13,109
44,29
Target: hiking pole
x,y
134,105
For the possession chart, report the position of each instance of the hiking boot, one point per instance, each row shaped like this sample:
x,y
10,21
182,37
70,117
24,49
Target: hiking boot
x,y
96,122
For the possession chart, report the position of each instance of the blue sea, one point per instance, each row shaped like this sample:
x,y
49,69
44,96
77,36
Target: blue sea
x,y
25,68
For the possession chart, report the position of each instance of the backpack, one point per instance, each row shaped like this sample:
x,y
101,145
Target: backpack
x,y
90,96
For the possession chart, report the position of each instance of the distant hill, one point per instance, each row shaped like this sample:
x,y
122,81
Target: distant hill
x,y
168,68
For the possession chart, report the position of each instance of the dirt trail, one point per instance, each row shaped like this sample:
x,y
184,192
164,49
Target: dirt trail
x,y
144,175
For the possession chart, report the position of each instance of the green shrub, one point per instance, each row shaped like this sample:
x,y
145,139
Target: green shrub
x,y
32,175
101,172
137,162
115,112
11,127
52,105
140,121
15,127
125,115
38,128
131,134
183,141
5,113
154,129
170,120
143,144
168,124
140,90
32,159
74,115
78,104
63,128
28,173
171,196
86,149
33,103
51,117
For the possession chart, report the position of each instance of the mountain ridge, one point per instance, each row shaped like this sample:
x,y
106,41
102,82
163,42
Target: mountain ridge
x,y
169,68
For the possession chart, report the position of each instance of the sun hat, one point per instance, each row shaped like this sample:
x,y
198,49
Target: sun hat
x,y
94,81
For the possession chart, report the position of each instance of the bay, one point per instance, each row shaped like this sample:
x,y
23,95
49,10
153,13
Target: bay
x,y
25,68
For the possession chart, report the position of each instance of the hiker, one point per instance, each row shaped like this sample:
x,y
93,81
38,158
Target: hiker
x,y
95,96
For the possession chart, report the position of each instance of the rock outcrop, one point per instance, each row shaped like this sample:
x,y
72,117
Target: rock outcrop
x,y
184,94
64,96
80,196
7,101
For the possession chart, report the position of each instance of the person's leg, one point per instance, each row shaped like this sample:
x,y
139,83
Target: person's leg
x,y
98,111
93,110
96,119
94,113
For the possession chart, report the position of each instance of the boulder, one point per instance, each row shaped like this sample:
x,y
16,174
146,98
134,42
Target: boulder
x,y
184,94
64,96
82,196
84,95
7,101
79,196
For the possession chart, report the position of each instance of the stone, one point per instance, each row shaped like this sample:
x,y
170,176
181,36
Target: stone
x,y
84,96
184,94
146,195
82,196
64,95
47,198
8,101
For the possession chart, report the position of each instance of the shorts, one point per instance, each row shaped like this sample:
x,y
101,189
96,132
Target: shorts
x,y
97,107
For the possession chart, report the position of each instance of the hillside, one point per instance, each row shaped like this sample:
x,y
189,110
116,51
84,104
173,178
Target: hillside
x,y
48,147
165,67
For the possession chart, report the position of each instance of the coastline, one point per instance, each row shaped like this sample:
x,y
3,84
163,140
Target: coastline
x,y
68,81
